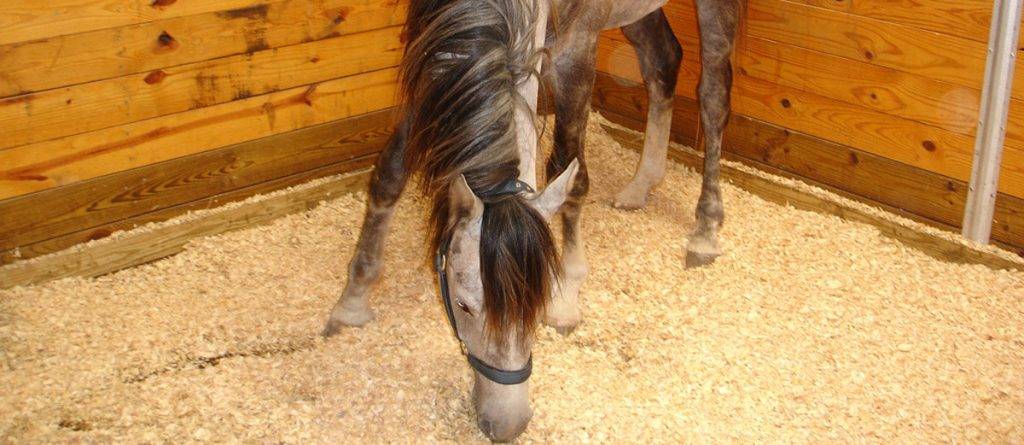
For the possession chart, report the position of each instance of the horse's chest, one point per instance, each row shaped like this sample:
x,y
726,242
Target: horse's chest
x,y
623,13
608,14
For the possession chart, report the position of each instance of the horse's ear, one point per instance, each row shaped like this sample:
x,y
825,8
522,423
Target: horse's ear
x,y
464,203
549,200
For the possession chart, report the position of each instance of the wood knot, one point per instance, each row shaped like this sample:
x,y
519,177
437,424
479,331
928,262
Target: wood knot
x,y
342,16
155,77
786,103
869,55
161,4
854,159
167,42
929,145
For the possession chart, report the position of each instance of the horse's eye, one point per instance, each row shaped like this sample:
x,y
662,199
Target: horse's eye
x,y
463,306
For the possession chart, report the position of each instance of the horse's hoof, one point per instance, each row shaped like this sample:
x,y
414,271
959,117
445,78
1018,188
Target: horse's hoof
x,y
565,330
696,259
630,200
331,329
342,317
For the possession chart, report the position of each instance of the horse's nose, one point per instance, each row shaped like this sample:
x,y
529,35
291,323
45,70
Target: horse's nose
x,y
505,429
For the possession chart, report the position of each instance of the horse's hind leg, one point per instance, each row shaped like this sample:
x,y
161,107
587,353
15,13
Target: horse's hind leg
x,y
574,81
389,177
718,20
660,56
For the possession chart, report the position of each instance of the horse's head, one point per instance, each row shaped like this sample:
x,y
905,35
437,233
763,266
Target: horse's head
x,y
498,265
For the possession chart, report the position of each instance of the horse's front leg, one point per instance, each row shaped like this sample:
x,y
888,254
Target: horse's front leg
x,y
573,69
718,20
386,185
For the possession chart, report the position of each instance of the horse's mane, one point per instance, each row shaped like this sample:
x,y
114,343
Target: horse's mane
x,y
459,74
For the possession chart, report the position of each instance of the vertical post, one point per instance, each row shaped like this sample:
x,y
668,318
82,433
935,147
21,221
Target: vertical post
x,y
995,105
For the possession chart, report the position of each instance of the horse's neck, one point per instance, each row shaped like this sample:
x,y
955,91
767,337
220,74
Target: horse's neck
x,y
525,125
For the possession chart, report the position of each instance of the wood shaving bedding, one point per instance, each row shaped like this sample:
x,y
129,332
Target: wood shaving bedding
x,y
809,329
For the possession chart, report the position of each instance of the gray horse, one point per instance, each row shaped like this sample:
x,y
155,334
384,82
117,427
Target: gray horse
x,y
470,80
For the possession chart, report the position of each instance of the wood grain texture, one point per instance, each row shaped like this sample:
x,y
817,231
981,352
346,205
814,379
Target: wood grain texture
x,y
935,246
858,174
45,165
911,96
968,19
87,208
937,56
78,58
144,246
106,103
23,20
904,140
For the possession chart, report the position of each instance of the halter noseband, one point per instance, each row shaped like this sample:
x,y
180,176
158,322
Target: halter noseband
x,y
499,376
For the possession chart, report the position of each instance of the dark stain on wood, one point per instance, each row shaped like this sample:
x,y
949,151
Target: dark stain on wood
x,y
255,40
99,234
242,93
25,177
161,4
307,97
155,77
258,12
269,109
207,84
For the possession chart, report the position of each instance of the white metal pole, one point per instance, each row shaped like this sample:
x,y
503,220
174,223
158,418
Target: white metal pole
x,y
995,105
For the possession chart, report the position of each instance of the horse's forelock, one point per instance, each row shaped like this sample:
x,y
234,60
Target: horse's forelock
x,y
518,264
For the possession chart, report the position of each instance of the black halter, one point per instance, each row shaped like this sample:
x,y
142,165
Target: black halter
x,y
493,374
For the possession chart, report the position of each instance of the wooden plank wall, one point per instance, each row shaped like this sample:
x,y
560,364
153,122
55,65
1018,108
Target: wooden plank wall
x,y
873,98
120,112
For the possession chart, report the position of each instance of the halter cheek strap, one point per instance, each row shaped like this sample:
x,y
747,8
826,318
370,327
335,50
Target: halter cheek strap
x,y
499,376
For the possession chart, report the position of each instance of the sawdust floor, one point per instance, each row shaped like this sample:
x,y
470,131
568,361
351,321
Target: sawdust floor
x,y
809,329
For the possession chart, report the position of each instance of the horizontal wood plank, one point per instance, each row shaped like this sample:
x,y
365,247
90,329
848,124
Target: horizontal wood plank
x,y
143,246
903,140
45,165
24,20
937,56
106,103
78,58
918,98
93,204
968,19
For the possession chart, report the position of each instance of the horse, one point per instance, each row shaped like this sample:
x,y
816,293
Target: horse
x,y
470,79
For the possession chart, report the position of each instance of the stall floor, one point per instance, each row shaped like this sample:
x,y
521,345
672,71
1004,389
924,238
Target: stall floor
x,y
810,329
